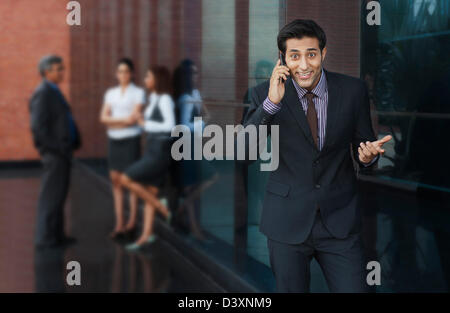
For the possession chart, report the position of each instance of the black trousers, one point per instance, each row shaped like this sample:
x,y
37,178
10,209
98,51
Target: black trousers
x,y
53,193
342,261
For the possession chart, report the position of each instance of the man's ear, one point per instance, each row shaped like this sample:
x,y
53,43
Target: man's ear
x,y
324,53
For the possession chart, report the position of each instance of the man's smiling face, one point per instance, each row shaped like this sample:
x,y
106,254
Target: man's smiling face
x,y
304,60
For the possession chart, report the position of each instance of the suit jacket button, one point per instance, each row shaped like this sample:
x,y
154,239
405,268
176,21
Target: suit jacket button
x,y
317,186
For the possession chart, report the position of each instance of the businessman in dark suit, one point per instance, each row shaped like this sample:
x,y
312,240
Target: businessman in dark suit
x,y
310,206
56,136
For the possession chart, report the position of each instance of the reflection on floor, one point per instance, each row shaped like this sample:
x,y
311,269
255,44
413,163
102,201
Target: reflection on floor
x,y
408,233
105,265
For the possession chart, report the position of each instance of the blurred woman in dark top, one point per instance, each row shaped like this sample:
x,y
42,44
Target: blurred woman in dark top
x,y
146,176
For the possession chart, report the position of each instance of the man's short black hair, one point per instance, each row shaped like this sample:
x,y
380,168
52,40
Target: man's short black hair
x,y
128,62
46,63
298,29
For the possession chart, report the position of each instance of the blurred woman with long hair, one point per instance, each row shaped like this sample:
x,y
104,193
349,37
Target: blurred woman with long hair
x,y
146,176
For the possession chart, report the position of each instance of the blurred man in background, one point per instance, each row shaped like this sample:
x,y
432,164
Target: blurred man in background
x,y
56,136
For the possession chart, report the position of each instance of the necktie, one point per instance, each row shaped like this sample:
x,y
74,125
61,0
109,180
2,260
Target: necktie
x,y
311,116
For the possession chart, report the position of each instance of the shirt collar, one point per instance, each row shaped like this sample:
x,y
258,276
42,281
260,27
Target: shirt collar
x,y
130,86
53,85
320,89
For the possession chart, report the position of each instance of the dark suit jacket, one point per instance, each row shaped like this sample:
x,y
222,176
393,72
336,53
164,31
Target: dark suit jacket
x,y
306,178
50,122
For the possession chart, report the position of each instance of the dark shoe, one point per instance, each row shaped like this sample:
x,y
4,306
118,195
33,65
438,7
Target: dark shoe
x,y
117,235
130,234
44,246
67,241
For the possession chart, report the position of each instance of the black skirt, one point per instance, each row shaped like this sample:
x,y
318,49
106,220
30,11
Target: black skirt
x,y
123,152
153,167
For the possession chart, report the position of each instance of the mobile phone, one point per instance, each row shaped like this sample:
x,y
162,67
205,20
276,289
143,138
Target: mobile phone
x,y
282,62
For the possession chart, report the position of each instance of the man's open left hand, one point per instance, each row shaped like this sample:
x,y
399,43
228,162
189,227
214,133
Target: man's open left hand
x,y
369,150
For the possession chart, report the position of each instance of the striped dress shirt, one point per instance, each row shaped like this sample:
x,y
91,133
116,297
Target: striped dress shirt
x,y
320,103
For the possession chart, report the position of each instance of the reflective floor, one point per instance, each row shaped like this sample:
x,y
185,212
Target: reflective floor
x,y
105,265
408,233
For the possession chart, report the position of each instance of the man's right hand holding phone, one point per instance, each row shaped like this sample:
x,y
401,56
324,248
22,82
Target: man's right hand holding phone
x,y
277,88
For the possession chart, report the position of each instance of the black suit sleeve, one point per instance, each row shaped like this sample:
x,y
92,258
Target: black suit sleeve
x,y
40,114
363,128
78,140
256,116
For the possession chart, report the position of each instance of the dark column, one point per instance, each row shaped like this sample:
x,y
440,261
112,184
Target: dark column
x,y
154,33
241,86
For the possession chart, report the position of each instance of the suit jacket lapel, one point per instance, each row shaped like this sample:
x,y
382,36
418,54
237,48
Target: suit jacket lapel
x,y
292,101
58,93
333,108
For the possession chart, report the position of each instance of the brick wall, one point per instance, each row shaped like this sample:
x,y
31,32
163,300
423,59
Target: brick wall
x,y
145,30
28,31
341,22
150,32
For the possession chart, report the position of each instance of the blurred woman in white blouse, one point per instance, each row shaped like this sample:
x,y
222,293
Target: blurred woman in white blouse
x,y
120,112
